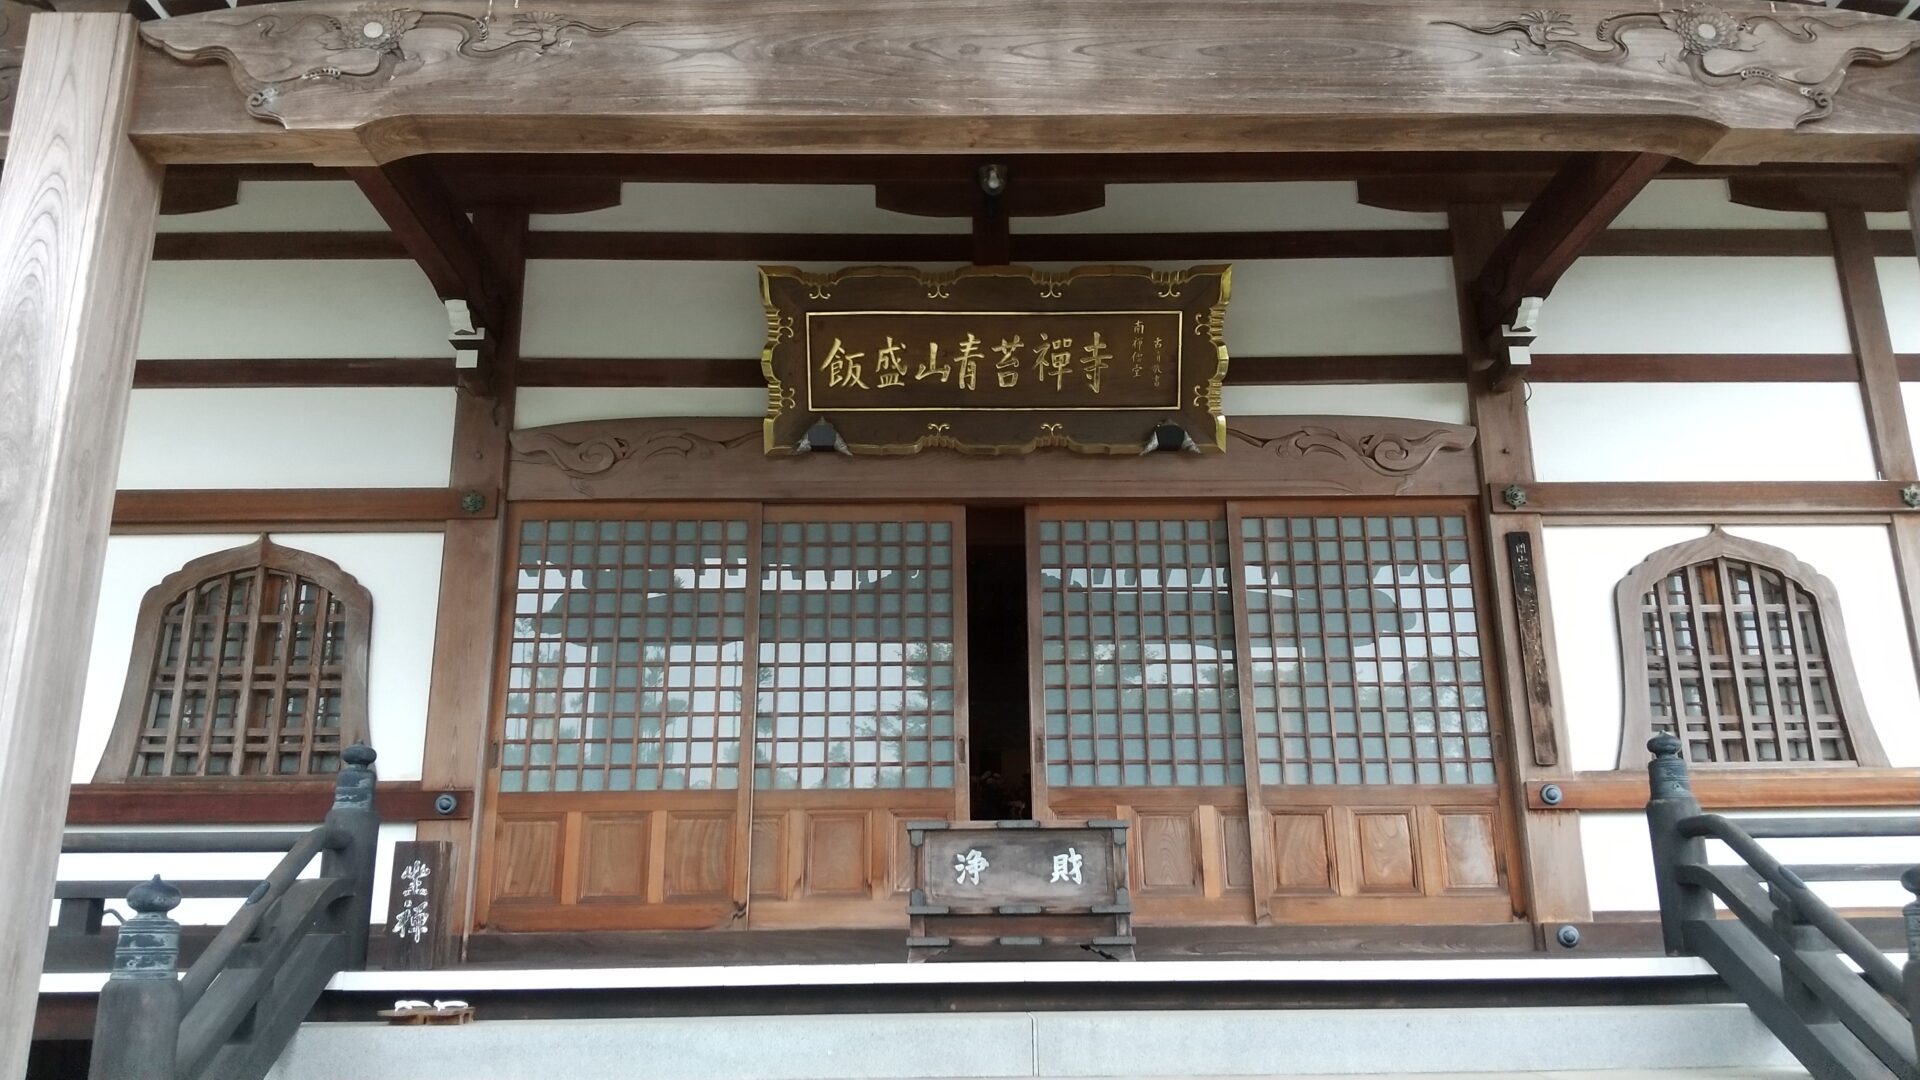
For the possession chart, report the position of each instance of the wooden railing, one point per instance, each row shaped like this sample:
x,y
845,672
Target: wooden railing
x,y
1829,994
235,1009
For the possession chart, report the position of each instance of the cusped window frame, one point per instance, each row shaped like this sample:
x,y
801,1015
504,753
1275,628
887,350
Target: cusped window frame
x,y
1636,726
117,760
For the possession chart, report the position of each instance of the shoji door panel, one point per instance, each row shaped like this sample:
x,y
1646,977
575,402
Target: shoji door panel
x,y
1136,697
861,707
627,652
1367,704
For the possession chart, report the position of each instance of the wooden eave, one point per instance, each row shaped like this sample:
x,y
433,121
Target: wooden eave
x,y
289,83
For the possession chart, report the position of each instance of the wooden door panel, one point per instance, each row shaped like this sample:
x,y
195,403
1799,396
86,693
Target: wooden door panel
x,y
1169,857
610,861
1345,855
1467,850
839,858
613,857
527,853
1383,848
1303,847
699,856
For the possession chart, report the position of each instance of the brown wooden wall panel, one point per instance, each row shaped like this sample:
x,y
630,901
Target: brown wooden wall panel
x,y
1169,855
900,848
1384,852
1301,848
526,865
1467,845
1237,869
699,856
768,856
670,458
614,857
839,858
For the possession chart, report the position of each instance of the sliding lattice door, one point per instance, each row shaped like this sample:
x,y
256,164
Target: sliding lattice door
x,y
715,713
1287,700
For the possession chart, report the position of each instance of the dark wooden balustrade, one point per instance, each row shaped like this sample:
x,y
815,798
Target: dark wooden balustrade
x,y
234,1010
1836,1001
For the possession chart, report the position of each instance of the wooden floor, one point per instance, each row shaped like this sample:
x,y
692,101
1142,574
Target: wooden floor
x,y
707,948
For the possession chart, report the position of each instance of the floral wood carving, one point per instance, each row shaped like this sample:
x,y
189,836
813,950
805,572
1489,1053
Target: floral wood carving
x,y
1397,456
581,461
1705,34
373,43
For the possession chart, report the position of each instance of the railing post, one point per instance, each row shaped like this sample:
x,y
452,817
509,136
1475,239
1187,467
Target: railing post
x,y
136,1031
1800,936
1672,802
354,817
1910,976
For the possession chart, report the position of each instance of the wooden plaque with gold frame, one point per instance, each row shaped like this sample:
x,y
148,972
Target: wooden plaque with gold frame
x,y
994,359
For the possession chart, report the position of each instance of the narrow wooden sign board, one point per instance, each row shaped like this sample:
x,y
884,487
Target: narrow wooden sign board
x,y
417,918
994,359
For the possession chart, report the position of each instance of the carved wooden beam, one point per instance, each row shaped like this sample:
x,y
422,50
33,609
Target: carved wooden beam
x,y
340,82
1576,206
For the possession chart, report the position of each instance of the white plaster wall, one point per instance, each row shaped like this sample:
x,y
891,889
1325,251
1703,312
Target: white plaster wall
x,y
1699,431
288,437
400,570
712,310
1702,204
1900,292
772,208
1585,562
538,406
244,309
1241,207
218,867
1619,858
1695,304
286,206
1445,402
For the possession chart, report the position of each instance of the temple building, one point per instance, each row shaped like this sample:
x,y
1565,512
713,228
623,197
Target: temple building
x,y
821,539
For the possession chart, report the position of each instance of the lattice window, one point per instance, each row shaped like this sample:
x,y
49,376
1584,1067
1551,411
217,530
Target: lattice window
x,y
249,663
1136,651
857,652
625,664
1737,650
1363,646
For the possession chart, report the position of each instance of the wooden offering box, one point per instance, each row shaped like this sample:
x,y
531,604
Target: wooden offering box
x,y
1009,887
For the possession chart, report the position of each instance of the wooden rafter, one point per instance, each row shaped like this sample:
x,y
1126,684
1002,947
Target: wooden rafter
x,y
1573,209
417,206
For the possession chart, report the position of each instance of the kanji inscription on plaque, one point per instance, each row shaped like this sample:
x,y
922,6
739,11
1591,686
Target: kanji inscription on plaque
x,y
994,360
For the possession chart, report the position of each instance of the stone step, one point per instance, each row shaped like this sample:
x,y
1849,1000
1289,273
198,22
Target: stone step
x,y
1621,1042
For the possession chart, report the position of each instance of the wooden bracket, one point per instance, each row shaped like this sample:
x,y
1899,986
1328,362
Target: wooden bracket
x,y
1574,208
419,209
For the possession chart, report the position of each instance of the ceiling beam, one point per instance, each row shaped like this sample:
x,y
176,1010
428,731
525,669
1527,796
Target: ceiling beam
x,y
1573,210
417,206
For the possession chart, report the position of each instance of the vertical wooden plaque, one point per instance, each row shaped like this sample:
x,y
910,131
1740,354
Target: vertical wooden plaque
x,y
1533,651
419,901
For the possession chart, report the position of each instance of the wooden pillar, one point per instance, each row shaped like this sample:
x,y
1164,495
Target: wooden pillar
x,y
77,206
460,695
1878,373
1550,871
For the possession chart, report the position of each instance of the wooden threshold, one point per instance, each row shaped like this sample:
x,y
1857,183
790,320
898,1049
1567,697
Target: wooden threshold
x,y
241,802
1686,498
1789,789
288,507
